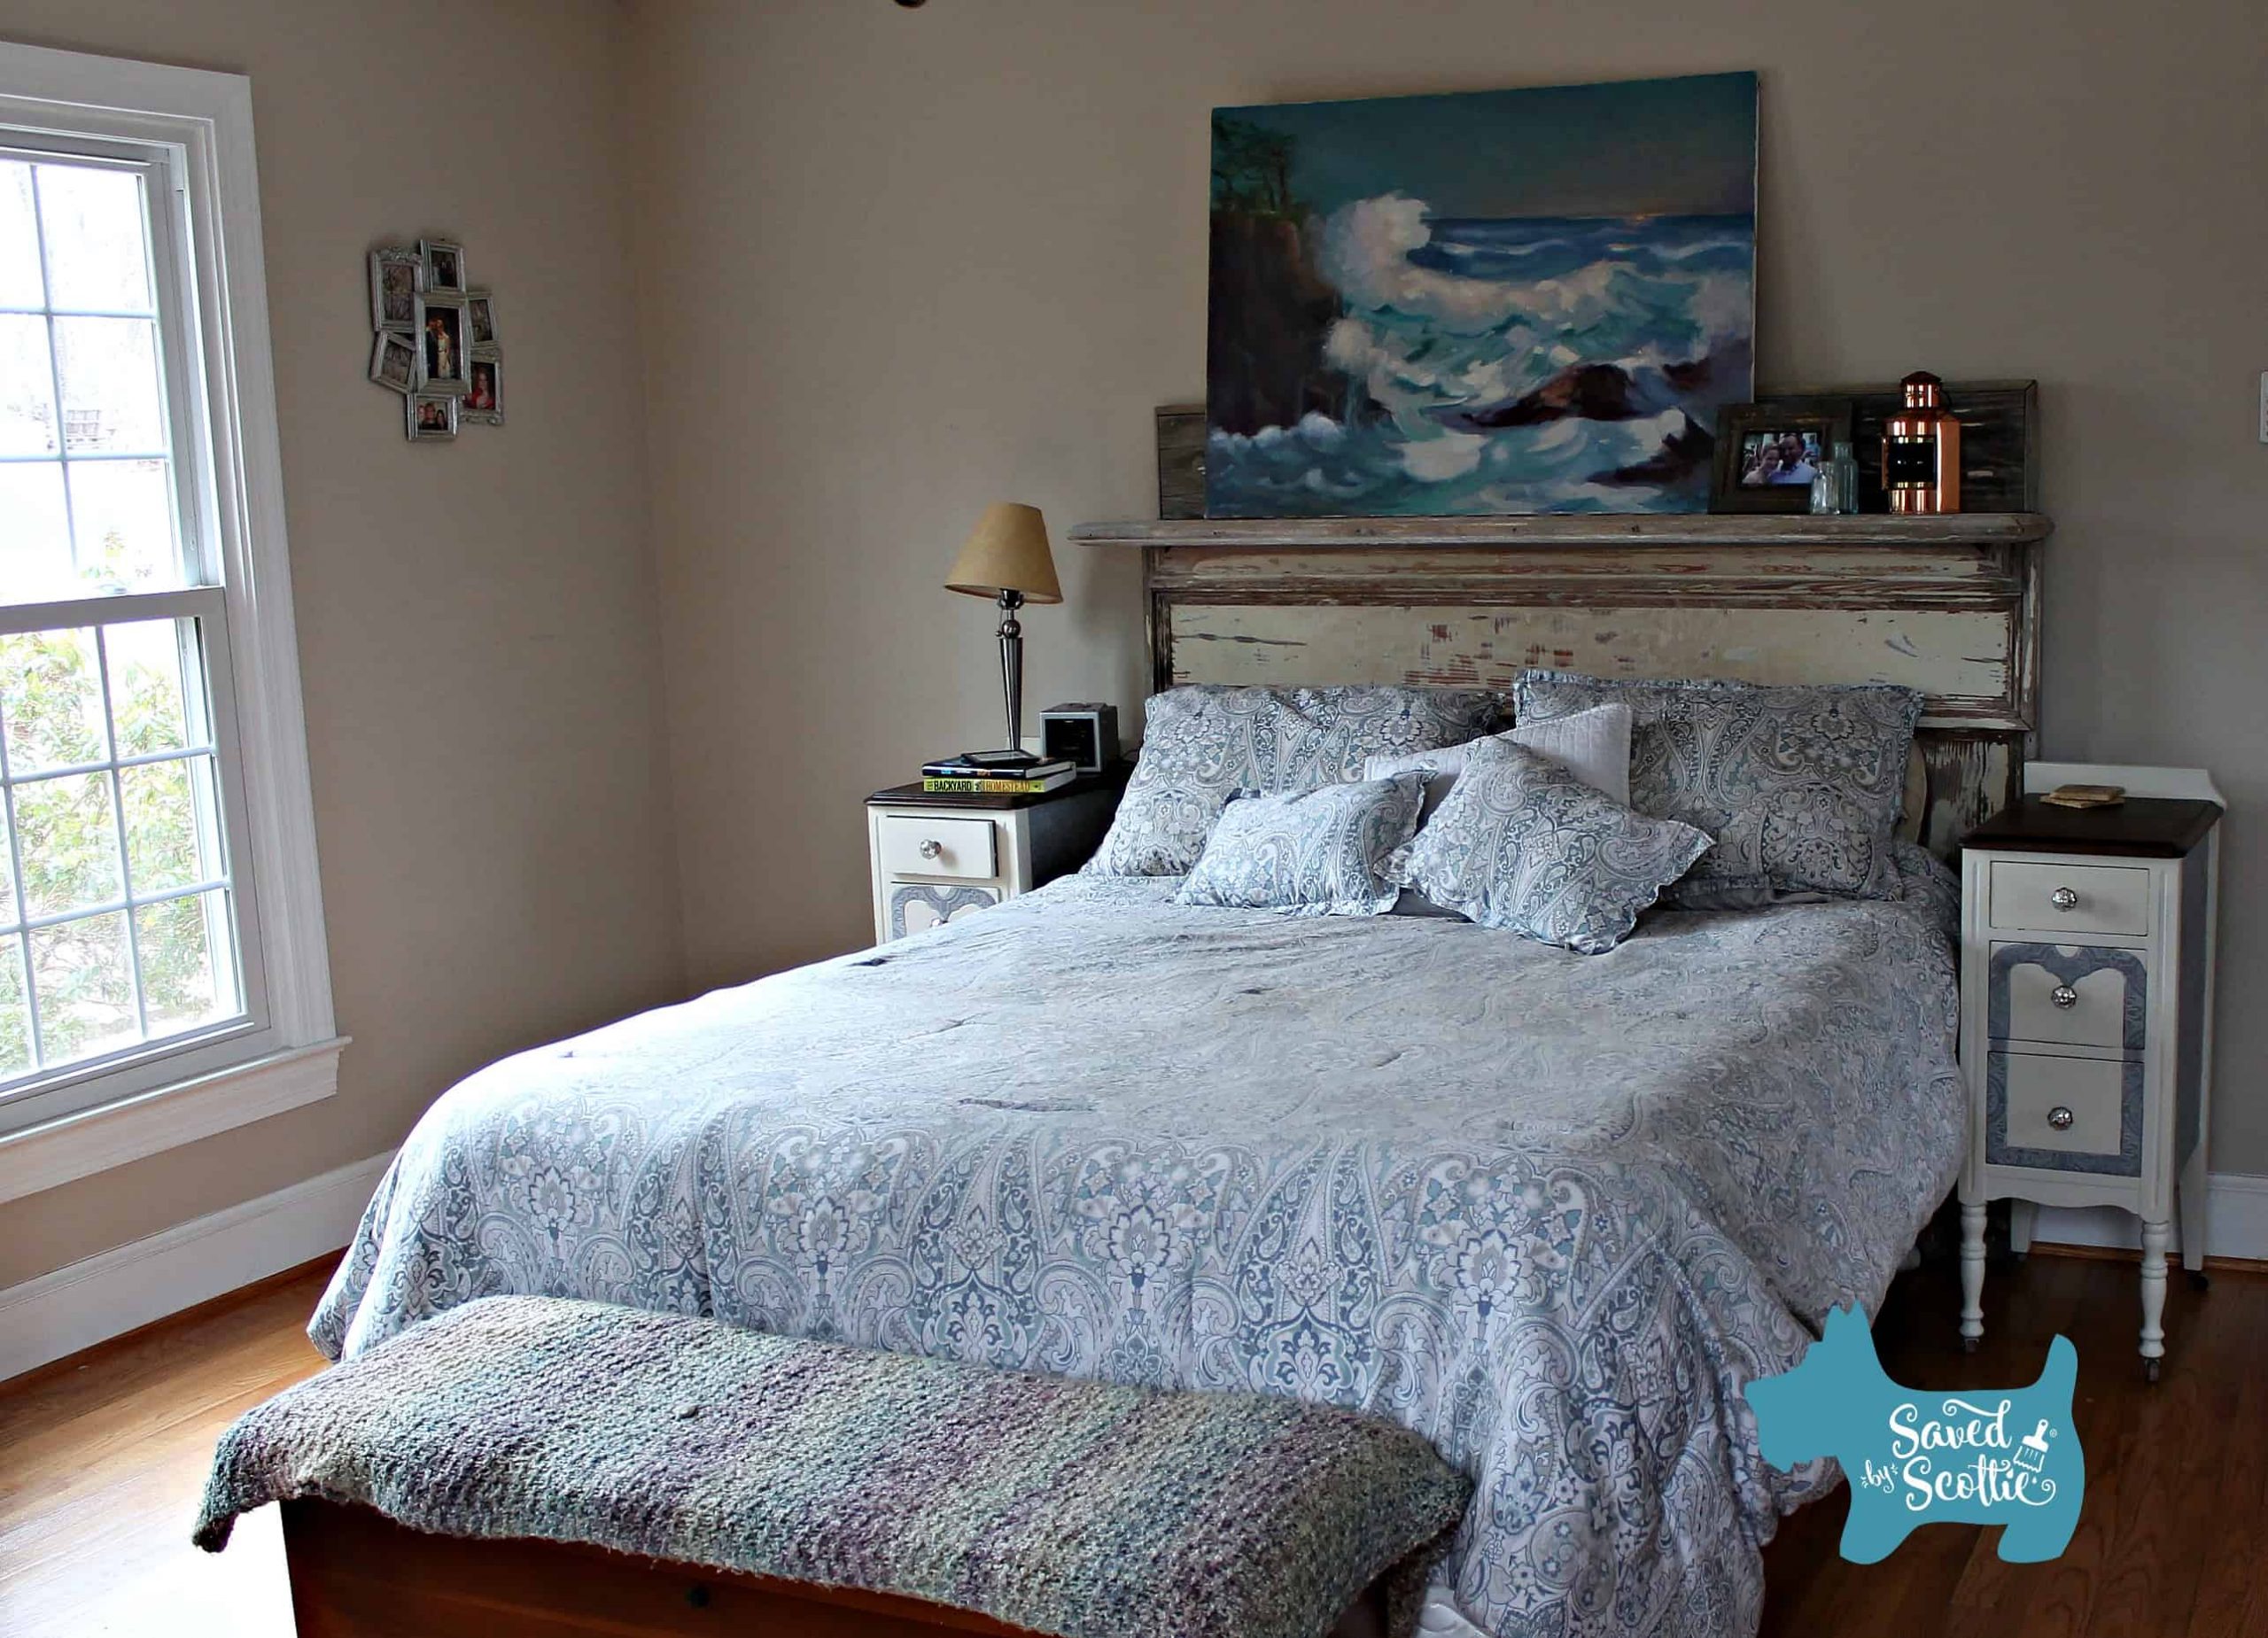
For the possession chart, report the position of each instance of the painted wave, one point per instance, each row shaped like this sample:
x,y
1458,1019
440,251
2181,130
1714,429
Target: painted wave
x,y
1543,364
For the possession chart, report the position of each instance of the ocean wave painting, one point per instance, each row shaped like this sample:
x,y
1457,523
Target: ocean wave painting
x,y
1490,302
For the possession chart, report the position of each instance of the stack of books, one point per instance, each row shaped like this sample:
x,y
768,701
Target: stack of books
x,y
995,773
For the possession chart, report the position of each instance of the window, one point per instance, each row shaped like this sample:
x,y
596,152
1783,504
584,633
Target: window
x,y
159,924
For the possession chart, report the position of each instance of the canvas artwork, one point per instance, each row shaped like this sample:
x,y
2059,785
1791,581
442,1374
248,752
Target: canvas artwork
x,y
1491,302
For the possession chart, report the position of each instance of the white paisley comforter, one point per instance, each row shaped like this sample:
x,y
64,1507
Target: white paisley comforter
x,y
1550,1210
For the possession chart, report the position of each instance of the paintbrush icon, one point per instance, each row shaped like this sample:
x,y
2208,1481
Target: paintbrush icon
x,y
2032,1454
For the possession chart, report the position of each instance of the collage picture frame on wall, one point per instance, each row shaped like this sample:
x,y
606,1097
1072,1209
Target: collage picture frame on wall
x,y
435,339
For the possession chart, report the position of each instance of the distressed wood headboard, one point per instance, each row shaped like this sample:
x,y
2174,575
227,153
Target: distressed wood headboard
x,y
1947,605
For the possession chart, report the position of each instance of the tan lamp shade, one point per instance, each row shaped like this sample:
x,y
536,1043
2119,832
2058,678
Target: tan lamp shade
x,y
1007,553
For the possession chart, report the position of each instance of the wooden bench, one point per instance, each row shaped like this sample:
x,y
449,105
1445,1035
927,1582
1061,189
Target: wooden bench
x,y
530,1466
355,1573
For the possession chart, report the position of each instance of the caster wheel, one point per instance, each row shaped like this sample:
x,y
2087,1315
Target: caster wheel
x,y
2199,1280
2150,1369
1969,1345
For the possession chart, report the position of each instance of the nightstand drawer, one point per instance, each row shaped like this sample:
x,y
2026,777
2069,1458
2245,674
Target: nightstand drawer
x,y
2085,899
2072,994
939,847
2064,1114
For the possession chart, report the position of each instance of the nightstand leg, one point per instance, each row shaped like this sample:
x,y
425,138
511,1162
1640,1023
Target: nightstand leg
x,y
2153,1238
1972,1275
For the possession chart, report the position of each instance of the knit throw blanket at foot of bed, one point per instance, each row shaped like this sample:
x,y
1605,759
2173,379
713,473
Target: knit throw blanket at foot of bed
x,y
1068,1506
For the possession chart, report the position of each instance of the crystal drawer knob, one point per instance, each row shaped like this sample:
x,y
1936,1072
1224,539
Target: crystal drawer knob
x,y
931,848
2064,898
2063,995
2061,1118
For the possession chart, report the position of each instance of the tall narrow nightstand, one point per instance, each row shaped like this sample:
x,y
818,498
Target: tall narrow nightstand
x,y
939,857
2086,1014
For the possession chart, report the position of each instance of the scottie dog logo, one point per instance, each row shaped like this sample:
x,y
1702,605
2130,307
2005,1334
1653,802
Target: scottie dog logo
x,y
2007,1458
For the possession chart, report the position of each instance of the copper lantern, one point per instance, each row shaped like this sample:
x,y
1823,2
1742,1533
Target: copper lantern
x,y
1921,449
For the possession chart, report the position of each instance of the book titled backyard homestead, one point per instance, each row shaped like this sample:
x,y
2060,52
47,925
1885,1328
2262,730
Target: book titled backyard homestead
x,y
962,776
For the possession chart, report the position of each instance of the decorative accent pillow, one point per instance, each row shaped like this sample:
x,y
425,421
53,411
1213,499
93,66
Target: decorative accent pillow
x,y
1593,745
1521,843
1206,741
1799,784
1308,852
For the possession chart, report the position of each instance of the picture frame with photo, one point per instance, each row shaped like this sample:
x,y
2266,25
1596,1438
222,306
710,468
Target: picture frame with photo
x,y
484,399
444,359
429,417
395,361
480,327
397,277
444,261
1767,456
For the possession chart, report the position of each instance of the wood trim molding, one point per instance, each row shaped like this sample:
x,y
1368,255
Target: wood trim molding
x,y
112,1134
128,1286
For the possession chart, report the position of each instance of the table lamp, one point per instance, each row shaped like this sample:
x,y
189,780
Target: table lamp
x,y
1007,558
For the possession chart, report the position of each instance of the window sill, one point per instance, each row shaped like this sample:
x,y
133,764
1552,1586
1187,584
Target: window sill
x,y
94,1140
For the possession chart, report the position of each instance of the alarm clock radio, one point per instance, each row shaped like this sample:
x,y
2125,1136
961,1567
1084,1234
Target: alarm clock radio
x,y
1084,735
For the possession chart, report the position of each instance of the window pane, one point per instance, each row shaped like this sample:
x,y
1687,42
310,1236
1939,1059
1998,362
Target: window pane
x,y
168,824
19,285
109,369
150,699
15,1017
124,512
86,988
69,839
97,252
7,883
27,386
50,700
188,970
34,534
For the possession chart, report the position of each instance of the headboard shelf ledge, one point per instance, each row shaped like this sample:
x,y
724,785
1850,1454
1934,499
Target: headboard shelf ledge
x,y
1579,529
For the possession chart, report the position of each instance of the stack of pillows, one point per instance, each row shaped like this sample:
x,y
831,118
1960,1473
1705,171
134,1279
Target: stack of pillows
x,y
1608,795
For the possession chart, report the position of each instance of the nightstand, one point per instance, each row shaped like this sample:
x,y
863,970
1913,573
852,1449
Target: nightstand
x,y
2086,1014
940,857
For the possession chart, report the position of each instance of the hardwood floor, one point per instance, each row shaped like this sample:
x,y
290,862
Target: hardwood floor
x,y
102,1458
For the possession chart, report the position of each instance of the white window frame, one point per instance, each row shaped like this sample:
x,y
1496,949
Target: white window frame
x,y
171,1095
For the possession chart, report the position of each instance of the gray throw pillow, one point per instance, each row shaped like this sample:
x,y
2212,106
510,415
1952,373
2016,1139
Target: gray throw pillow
x,y
1521,842
1307,853
1204,741
1801,784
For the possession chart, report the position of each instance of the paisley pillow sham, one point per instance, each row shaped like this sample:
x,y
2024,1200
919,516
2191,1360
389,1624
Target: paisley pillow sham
x,y
1800,785
1316,852
1521,842
1206,741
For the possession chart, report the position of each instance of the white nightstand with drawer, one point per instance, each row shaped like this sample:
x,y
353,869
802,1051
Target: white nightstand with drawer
x,y
940,857
2086,1014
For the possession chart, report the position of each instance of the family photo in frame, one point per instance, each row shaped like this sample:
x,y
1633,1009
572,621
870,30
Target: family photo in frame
x,y
435,339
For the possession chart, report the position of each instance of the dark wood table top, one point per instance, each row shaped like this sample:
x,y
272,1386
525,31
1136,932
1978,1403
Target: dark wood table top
x,y
2147,827
914,795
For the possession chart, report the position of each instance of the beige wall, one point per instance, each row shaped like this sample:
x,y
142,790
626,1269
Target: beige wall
x,y
899,263
477,621
891,265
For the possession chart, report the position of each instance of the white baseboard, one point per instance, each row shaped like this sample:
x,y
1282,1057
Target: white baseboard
x,y
111,1293
2237,1224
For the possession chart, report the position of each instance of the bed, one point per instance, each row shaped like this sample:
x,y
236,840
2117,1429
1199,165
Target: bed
x,y
1553,1211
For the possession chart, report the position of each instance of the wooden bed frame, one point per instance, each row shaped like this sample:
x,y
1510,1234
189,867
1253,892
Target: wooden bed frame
x,y
355,1573
1947,605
